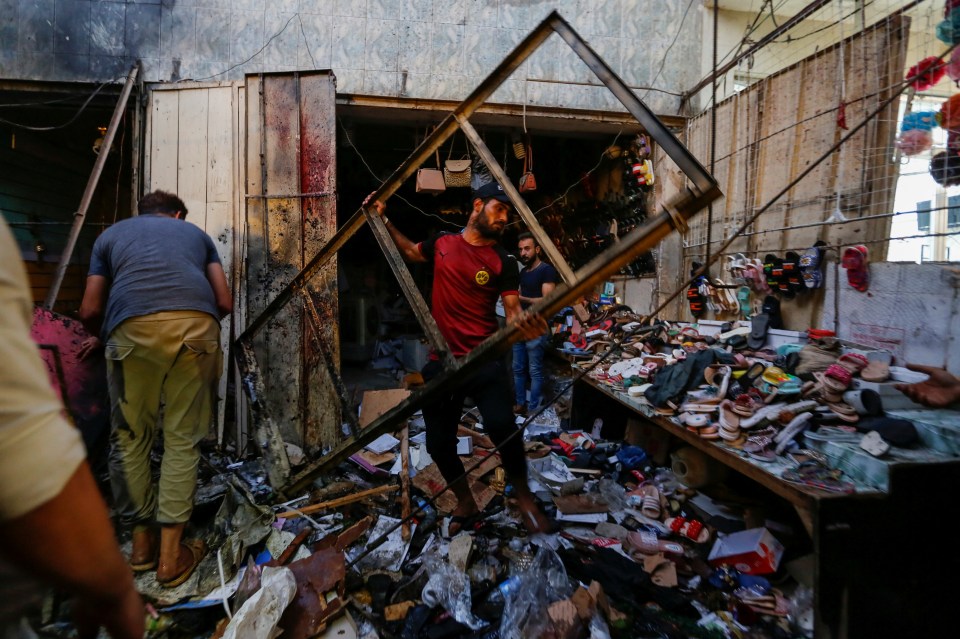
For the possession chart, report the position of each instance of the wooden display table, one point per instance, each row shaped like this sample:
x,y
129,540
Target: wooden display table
x,y
879,570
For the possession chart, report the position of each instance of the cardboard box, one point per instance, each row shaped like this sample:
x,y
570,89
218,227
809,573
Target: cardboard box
x,y
753,552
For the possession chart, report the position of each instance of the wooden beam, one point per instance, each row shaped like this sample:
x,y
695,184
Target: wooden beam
x,y
340,501
526,214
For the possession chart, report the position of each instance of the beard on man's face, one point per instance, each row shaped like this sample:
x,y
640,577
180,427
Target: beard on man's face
x,y
525,259
488,230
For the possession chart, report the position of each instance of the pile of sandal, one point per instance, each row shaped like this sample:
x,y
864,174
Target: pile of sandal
x,y
734,390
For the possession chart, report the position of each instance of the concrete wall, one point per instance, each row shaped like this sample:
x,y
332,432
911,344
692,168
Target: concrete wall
x,y
411,48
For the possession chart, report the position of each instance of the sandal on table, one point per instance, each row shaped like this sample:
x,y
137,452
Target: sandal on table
x,y
760,447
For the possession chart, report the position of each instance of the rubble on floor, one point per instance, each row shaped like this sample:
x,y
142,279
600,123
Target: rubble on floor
x,y
634,556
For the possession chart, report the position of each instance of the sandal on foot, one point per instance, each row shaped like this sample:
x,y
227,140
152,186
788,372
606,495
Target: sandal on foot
x,y
197,548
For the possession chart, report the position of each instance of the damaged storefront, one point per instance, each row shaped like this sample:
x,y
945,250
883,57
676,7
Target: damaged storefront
x,y
729,442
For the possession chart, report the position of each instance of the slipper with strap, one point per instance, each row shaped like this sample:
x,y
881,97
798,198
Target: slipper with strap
x,y
690,528
855,261
197,549
650,504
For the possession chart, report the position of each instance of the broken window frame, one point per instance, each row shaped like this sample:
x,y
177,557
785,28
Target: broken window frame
x,y
701,190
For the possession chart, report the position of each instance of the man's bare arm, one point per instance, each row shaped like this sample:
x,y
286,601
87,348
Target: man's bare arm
x,y
408,249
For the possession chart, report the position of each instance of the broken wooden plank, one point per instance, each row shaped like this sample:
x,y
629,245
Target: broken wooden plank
x,y
341,501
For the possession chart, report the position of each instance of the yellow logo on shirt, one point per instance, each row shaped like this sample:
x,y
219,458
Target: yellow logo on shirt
x,y
482,277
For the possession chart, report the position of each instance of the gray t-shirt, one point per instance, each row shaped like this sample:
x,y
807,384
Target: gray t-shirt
x,y
154,263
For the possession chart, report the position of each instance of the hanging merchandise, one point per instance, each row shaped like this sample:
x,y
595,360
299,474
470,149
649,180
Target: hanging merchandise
x,y
926,73
480,174
431,180
953,67
810,265
519,148
643,172
527,181
949,115
643,146
915,134
456,173
949,30
914,142
921,120
945,168
855,261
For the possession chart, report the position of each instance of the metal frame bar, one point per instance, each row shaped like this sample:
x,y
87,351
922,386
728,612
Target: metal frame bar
x,y
702,190
91,188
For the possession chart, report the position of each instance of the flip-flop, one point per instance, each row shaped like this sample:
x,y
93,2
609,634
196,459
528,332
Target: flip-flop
x,y
758,331
198,549
650,504
690,528
855,261
791,273
760,447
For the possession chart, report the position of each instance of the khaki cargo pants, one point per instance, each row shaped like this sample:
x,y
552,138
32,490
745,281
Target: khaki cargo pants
x,y
174,357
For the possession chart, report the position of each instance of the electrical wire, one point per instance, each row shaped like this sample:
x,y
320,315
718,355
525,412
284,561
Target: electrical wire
x,y
258,52
570,188
306,42
839,246
73,119
379,181
663,58
803,174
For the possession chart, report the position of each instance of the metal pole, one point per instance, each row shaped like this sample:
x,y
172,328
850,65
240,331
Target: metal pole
x,y
91,188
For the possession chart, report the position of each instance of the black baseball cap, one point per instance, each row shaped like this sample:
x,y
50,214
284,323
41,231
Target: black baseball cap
x,y
492,189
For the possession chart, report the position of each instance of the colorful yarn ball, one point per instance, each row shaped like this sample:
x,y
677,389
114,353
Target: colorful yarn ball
x,y
926,73
945,168
949,115
949,30
919,120
953,66
914,142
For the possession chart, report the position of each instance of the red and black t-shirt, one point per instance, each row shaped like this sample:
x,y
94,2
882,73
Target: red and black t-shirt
x,y
467,280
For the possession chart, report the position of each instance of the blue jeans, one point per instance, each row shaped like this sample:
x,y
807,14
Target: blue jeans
x,y
528,359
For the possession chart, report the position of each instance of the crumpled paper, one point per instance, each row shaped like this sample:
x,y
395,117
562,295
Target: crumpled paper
x,y
260,614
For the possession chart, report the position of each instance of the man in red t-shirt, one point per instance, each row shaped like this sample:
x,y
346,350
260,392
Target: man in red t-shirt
x,y
470,271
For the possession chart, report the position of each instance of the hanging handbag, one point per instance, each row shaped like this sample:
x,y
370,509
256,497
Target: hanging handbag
x,y
456,173
527,181
431,180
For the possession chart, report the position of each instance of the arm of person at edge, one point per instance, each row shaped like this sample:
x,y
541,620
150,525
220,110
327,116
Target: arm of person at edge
x,y
67,539
69,542
408,249
939,391
545,290
529,326
221,290
91,312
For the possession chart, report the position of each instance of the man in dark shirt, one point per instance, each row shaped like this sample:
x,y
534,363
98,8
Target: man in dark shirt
x,y
470,271
537,279
156,292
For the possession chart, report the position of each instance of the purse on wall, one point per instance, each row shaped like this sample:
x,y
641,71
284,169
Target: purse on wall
x,y
431,180
456,173
527,181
